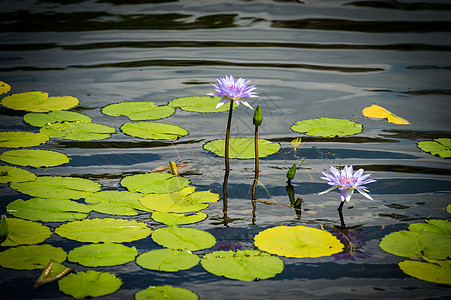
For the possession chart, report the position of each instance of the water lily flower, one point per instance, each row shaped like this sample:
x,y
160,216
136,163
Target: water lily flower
x,y
230,89
347,182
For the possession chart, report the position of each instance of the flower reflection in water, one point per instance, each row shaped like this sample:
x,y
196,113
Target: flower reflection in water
x,y
354,241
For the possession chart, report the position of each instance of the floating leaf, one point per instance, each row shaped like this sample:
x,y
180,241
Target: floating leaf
x,y
167,260
57,187
41,119
96,255
138,111
298,241
4,87
178,219
48,210
154,130
165,292
34,158
106,230
185,200
448,208
433,225
183,238
38,102
440,147
22,232
16,139
242,147
89,284
13,174
202,104
157,183
4,229
378,112
327,127
78,131
242,265
438,272
31,257
53,271
116,202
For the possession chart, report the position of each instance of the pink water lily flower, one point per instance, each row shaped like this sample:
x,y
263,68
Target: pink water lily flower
x,y
230,89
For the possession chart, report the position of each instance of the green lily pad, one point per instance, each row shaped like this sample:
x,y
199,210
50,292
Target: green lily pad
x,y
34,158
77,131
439,272
202,104
31,257
242,147
116,202
448,208
157,183
183,238
16,139
57,187
89,284
327,127
298,241
167,260
106,230
165,292
41,119
185,200
138,111
440,147
13,174
48,210
433,225
4,229
242,265
96,255
178,219
4,87
38,102
22,232
154,130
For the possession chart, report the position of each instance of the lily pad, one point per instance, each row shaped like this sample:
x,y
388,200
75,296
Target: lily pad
x,y
440,147
242,265
96,255
448,208
57,187
38,102
16,139
242,147
165,292
202,104
378,112
4,87
433,225
438,272
154,130
78,131
298,241
31,257
157,183
178,219
138,111
34,158
327,127
183,238
48,210
167,260
185,200
106,230
13,174
89,284
21,232
116,202
41,119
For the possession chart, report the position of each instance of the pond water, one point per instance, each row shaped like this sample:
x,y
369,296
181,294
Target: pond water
x,y
308,59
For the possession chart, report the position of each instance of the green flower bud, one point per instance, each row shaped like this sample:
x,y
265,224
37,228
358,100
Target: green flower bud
x,y
258,118
291,172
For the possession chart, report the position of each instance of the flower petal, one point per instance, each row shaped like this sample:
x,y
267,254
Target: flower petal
x,y
328,190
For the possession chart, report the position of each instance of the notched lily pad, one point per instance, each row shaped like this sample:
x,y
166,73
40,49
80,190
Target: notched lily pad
x,y
41,119
31,257
34,157
4,87
438,271
327,127
116,202
183,238
13,174
165,292
77,131
38,102
178,219
202,104
440,147
22,232
17,139
242,147
89,284
157,183
138,111
96,255
154,130
167,260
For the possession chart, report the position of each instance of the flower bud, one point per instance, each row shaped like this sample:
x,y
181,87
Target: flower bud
x,y
291,172
258,118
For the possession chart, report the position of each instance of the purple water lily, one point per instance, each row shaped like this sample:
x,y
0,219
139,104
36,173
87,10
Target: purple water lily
x,y
230,89
347,181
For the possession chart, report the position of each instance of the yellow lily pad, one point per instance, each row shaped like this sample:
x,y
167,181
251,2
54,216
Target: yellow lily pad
x,y
38,102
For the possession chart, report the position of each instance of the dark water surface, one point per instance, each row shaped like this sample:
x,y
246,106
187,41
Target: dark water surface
x,y
308,59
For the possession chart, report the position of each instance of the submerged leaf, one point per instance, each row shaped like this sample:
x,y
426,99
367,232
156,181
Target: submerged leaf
x,y
154,130
202,104
378,112
4,87
78,131
41,119
167,260
183,238
165,292
96,255
13,174
34,157
16,139
116,202
327,127
138,111
440,147
21,232
157,183
242,147
38,102
439,272
89,284
31,257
